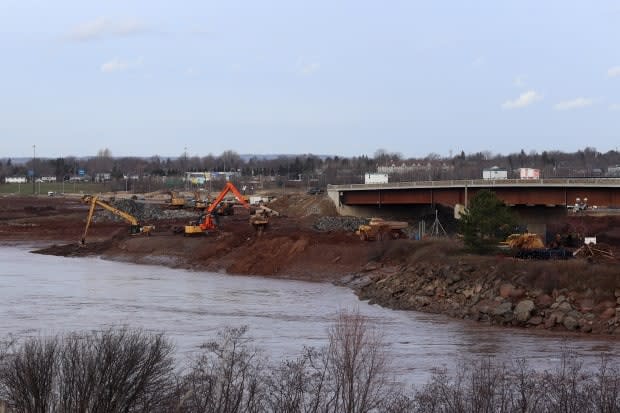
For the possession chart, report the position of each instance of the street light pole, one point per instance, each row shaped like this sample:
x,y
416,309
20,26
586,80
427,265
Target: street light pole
x,y
34,157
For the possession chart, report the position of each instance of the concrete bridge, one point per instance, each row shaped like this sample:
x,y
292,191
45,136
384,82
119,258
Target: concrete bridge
x,y
548,196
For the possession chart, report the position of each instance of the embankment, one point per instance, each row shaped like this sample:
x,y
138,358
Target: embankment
x,y
435,277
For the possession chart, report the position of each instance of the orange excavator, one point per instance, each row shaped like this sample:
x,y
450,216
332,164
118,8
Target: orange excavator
x,y
207,222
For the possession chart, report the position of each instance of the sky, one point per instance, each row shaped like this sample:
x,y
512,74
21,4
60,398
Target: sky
x,y
154,77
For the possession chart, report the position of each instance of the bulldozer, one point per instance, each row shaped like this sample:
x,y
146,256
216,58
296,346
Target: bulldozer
x,y
379,229
176,201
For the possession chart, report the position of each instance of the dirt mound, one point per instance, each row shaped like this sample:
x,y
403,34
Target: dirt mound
x,y
303,205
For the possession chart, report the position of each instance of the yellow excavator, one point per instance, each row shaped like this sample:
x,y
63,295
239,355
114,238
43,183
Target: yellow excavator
x,y
134,225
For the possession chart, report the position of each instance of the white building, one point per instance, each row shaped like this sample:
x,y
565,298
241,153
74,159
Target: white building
x,y
529,173
375,178
494,173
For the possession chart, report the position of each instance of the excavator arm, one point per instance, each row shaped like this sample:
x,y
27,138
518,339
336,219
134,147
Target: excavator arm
x,y
228,188
207,221
94,202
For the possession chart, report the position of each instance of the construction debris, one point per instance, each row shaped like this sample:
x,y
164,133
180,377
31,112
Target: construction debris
x,y
590,251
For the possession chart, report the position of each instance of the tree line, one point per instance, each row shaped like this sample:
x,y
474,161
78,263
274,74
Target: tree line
x,y
331,169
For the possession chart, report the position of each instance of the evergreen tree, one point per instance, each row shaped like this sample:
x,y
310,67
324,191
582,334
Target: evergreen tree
x,y
486,221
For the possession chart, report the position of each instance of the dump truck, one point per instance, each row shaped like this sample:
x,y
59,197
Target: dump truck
x,y
379,229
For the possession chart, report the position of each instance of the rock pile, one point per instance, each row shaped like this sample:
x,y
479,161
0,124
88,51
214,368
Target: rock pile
x,y
144,212
460,291
348,224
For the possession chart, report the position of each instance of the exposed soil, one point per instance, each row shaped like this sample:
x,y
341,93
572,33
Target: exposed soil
x,y
433,276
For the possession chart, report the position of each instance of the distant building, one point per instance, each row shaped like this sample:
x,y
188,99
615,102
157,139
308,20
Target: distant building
x,y
199,178
495,173
15,180
613,171
529,173
375,178
103,177
75,179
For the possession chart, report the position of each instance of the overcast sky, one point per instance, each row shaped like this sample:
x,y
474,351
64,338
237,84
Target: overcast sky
x,y
145,77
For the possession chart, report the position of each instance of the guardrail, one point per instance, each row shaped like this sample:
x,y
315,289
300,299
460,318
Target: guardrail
x,y
484,182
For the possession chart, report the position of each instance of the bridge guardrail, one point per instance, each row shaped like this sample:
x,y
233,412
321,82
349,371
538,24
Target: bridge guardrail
x,y
483,182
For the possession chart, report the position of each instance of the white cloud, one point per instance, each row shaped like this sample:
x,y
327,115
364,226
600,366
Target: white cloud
x,y
102,26
307,68
119,65
614,106
576,103
524,99
614,71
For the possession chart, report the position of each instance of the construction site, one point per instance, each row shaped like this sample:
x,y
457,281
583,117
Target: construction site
x,y
412,263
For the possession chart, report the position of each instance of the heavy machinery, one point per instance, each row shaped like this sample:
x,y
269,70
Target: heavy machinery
x,y
260,218
208,221
531,246
176,201
134,225
199,203
524,241
380,229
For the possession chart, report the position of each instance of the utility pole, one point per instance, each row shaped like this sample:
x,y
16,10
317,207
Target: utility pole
x,y
34,157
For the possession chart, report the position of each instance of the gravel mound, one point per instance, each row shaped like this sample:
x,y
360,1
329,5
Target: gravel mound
x,y
144,212
348,224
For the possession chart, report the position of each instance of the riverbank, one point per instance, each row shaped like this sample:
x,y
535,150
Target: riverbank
x,y
430,276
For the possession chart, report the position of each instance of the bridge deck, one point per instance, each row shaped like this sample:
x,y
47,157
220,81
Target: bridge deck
x,y
551,192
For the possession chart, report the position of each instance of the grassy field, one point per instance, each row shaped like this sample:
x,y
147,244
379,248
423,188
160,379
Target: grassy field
x,y
44,187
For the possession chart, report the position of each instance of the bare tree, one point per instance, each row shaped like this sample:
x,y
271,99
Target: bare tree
x,y
225,378
357,363
110,371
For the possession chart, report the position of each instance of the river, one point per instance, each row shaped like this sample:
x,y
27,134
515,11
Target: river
x,y
42,295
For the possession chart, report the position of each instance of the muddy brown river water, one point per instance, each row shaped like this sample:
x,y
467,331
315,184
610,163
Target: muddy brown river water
x,y
41,295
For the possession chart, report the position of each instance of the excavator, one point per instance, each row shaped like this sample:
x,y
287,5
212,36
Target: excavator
x,y
134,225
208,221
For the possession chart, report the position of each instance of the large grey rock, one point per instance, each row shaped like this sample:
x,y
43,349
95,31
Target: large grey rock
x,y
570,323
565,307
504,311
523,310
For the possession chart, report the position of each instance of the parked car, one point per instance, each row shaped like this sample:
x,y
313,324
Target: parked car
x,y
315,191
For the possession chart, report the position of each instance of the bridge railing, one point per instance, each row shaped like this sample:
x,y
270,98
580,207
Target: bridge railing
x,y
485,183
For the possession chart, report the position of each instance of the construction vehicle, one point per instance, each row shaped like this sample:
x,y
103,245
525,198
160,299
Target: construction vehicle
x,y
531,246
208,221
176,201
134,225
199,203
260,218
380,229
524,241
